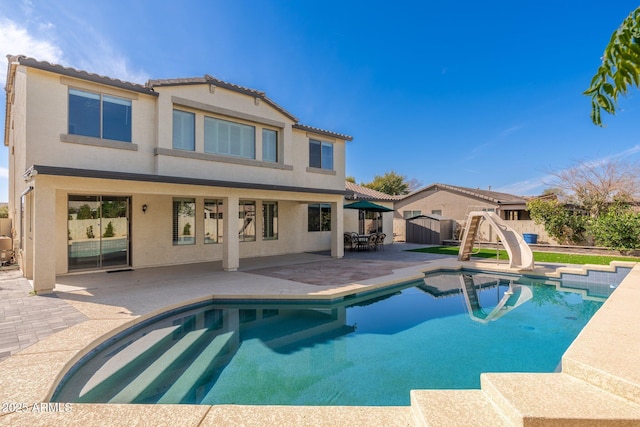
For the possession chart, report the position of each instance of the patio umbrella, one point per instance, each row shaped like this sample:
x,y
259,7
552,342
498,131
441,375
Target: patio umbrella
x,y
365,205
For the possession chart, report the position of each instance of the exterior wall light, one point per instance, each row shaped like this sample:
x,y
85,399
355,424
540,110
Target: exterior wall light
x,y
144,208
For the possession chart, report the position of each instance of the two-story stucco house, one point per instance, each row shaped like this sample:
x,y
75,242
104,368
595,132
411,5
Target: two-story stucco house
x,y
106,174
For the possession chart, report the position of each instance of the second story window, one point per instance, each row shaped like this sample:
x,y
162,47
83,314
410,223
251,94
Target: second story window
x,y
320,154
184,130
99,116
269,145
229,138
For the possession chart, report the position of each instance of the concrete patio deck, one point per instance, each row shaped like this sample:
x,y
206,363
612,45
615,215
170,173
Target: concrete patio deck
x,y
598,385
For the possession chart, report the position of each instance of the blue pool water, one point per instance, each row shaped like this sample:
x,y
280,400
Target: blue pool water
x,y
440,332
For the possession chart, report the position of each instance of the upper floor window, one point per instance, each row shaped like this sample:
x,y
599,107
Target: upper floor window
x,y
229,138
320,154
184,134
99,116
269,145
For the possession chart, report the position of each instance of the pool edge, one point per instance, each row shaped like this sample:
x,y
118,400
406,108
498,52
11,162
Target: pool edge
x,y
41,371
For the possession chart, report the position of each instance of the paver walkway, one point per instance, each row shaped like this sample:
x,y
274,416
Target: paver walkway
x,y
25,318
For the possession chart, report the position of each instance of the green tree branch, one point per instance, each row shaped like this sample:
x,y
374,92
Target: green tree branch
x,y
620,69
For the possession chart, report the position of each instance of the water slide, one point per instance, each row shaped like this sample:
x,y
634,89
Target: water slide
x,y
520,255
513,297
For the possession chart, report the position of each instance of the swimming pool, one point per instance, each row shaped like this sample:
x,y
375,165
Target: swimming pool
x,y
369,349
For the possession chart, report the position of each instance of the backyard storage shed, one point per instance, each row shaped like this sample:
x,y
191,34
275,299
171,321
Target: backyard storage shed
x,y
429,229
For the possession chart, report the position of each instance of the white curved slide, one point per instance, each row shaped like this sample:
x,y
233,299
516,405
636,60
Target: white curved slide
x,y
520,255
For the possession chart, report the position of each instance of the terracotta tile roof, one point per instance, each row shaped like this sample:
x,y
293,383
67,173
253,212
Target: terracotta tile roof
x,y
491,196
363,193
148,88
207,79
84,75
323,132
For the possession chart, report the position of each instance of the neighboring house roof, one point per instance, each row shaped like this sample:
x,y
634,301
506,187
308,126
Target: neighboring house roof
x,y
488,195
358,192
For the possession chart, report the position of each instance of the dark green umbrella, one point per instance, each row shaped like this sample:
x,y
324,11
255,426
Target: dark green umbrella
x,y
366,205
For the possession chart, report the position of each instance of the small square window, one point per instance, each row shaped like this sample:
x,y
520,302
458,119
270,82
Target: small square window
x,y
320,154
99,116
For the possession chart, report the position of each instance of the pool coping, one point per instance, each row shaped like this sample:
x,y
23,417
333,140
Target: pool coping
x,y
588,366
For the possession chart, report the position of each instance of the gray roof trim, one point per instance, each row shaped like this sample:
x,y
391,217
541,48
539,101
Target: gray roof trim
x,y
79,74
323,132
126,176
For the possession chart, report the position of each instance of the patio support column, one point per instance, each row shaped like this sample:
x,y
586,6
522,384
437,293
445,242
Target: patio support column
x,y
230,240
337,229
43,235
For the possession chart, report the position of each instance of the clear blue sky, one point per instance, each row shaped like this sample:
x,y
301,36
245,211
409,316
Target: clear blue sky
x,y
466,93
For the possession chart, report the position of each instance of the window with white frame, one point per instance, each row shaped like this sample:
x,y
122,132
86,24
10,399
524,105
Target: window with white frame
x,y
410,214
184,130
184,216
212,221
269,220
99,116
229,138
320,154
247,221
269,145
319,217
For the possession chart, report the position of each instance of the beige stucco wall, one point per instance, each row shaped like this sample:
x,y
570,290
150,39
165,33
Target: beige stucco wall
x,y
38,136
47,119
17,151
151,236
291,170
453,206
47,115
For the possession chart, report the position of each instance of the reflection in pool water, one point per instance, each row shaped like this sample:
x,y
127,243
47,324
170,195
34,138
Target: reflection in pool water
x,y
440,332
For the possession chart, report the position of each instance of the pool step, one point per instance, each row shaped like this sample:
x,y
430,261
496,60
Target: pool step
x,y
567,401
448,408
210,358
140,386
122,366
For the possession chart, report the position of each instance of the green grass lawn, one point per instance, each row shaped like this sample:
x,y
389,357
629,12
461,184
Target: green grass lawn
x,y
537,256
